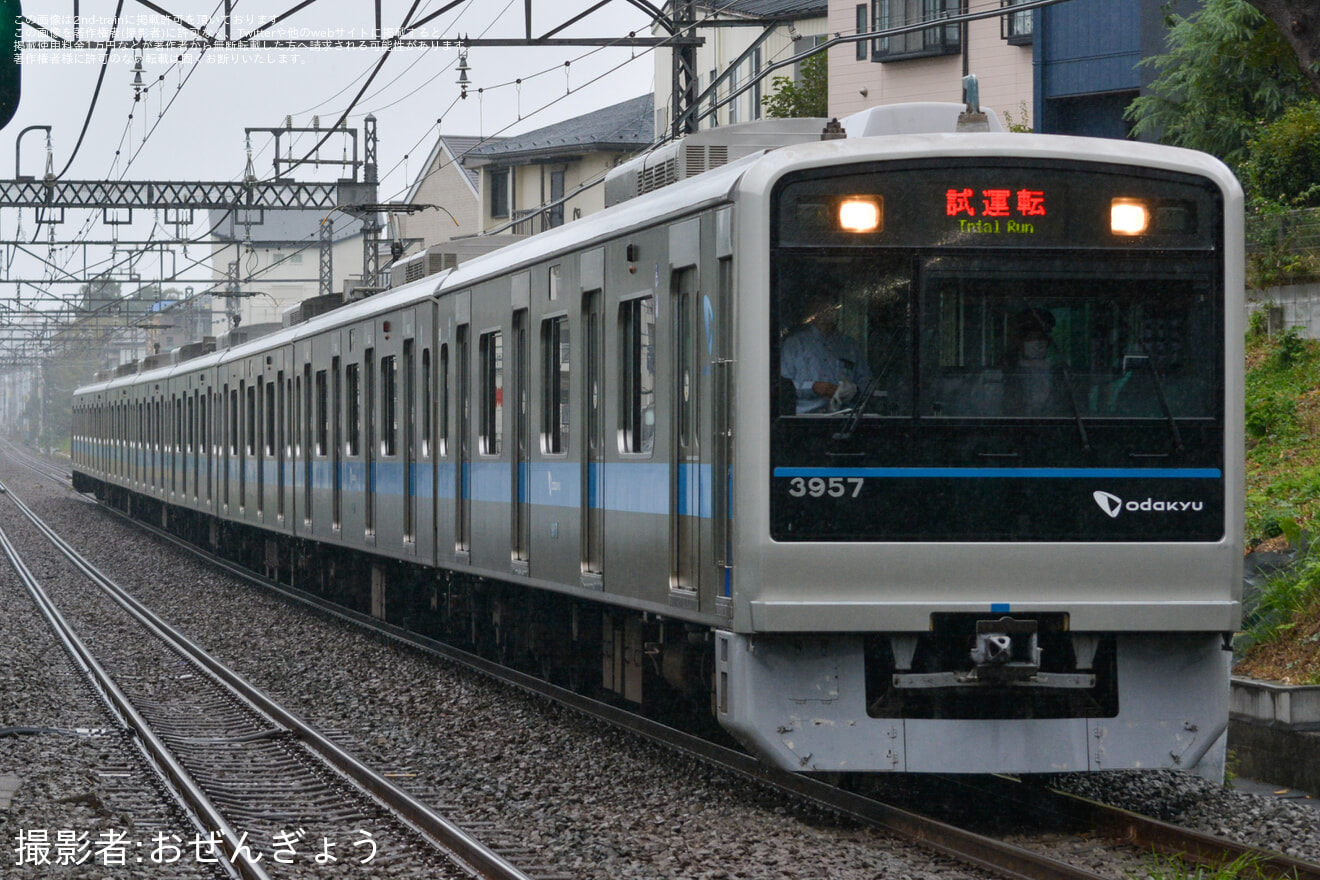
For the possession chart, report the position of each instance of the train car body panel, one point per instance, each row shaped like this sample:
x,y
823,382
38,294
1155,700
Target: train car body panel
x,y
958,566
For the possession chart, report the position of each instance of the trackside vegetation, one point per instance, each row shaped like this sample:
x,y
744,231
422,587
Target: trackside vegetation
x,y
1282,625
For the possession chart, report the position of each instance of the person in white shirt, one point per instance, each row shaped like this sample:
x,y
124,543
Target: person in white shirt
x,y
825,367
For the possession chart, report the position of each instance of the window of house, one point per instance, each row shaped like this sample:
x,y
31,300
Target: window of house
x,y
944,39
500,191
1016,27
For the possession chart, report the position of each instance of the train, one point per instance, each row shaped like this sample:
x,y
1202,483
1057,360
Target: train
x,y
1002,535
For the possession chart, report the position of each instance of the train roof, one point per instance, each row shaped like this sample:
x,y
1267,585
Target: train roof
x,y
694,195
758,171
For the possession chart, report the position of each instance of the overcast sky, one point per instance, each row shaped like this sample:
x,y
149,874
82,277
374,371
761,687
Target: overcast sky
x,y
190,124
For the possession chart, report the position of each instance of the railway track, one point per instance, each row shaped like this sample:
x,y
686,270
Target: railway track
x,y
1131,830
246,767
1005,859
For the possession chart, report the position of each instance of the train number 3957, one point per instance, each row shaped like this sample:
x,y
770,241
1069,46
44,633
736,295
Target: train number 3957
x,y
819,487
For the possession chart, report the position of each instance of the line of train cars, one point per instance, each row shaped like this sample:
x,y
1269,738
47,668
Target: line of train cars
x,y
588,453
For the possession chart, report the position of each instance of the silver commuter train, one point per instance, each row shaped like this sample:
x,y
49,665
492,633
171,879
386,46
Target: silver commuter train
x,y
588,451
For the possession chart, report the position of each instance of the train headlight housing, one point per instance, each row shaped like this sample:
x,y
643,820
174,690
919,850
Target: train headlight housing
x,y
862,214
1128,217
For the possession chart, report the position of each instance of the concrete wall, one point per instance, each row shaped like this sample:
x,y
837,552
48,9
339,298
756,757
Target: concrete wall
x,y
1296,305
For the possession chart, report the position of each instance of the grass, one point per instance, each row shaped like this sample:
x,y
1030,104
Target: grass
x,y
1282,625
1245,867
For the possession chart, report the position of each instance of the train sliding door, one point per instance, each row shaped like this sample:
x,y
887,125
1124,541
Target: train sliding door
x,y
686,474
593,461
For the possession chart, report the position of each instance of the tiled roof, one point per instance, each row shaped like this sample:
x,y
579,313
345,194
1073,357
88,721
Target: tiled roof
x,y
774,9
626,126
460,145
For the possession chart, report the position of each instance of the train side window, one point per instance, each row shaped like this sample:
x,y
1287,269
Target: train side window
x,y
233,421
269,417
353,381
427,407
491,428
556,378
250,433
389,409
637,383
442,427
322,413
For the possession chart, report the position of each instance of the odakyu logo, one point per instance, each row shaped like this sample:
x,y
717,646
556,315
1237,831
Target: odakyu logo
x,y
1113,505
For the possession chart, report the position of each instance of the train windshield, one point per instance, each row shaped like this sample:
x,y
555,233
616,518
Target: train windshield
x,y
954,392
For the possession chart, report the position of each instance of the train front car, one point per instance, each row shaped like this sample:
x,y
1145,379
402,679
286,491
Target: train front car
x,y
988,462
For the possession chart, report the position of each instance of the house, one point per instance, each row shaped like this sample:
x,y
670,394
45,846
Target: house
x,y
550,176
1067,68
453,188
742,39
263,268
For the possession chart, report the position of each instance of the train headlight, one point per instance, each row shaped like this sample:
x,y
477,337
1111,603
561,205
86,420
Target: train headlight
x,y
862,214
1128,217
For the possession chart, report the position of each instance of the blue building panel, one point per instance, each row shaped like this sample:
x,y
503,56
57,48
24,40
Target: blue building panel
x,y
1089,47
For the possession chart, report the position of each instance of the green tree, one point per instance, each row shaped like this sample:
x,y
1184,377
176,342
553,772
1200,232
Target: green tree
x,y
1227,70
1283,159
807,96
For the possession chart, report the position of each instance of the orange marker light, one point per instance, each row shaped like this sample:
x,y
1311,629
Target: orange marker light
x,y
1128,217
862,214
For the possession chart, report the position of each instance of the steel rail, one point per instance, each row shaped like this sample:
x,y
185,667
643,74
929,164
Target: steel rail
x,y
1164,837
205,814
968,847
458,844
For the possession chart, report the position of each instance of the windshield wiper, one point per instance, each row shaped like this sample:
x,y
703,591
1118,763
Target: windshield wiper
x,y
1149,363
856,415
1076,412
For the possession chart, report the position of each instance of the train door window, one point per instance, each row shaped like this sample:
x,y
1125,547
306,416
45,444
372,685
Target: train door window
x,y
389,406
409,439
336,448
250,422
491,426
556,385
322,414
427,405
353,388
269,418
637,382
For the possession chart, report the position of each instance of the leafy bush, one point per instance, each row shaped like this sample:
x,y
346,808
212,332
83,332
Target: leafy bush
x,y
1283,158
1282,599
1271,414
